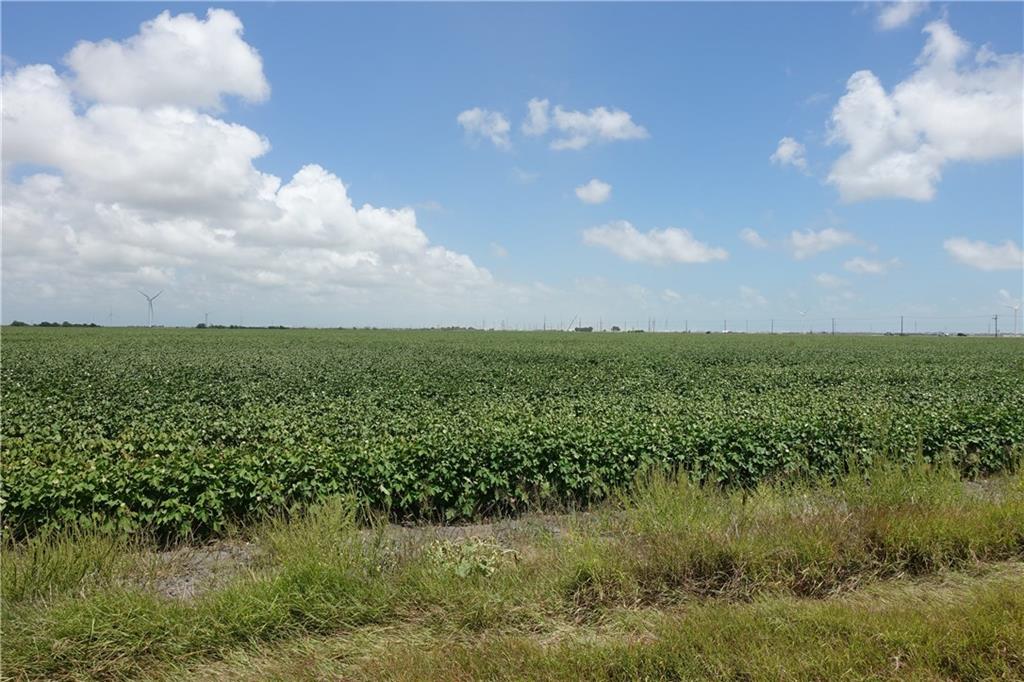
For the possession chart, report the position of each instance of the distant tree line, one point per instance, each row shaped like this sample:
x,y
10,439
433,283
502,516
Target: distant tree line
x,y
65,323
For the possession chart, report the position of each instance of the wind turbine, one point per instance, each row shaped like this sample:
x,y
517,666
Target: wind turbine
x,y
803,317
149,300
1015,309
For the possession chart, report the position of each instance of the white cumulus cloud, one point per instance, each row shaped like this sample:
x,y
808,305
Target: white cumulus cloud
x,y
179,60
669,245
488,125
594,192
165,157
753,238
807,243
985,256
671,296
895,14
950,109
578,129
1006,299
865,266
790,153
538,119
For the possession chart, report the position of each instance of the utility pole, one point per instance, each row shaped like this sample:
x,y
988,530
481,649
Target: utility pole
x,y
901,325
725,326
686,326
772,327
833,326
995,320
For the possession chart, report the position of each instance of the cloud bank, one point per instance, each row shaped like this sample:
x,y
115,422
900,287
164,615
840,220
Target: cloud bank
x,y
144,186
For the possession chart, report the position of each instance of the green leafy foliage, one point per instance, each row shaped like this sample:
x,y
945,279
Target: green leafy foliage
x,y
183,431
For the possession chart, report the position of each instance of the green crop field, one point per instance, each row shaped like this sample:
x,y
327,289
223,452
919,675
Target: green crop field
x,y
183,431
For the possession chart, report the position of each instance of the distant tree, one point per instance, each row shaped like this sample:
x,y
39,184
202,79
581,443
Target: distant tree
x,y
201,325
65,323
616,329
19,323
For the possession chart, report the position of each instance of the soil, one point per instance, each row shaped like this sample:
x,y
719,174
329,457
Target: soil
x,y
187,571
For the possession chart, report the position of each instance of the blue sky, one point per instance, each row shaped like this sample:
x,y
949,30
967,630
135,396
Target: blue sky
x,y
371,94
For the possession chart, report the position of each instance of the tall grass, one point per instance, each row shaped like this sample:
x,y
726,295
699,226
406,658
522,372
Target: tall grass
x,y
68,562
971,633
675,539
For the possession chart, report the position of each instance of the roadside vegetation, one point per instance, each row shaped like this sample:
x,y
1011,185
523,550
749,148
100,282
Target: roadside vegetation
x,y
891,572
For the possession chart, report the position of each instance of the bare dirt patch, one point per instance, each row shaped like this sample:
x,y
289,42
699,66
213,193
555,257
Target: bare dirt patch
x,y
187,571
